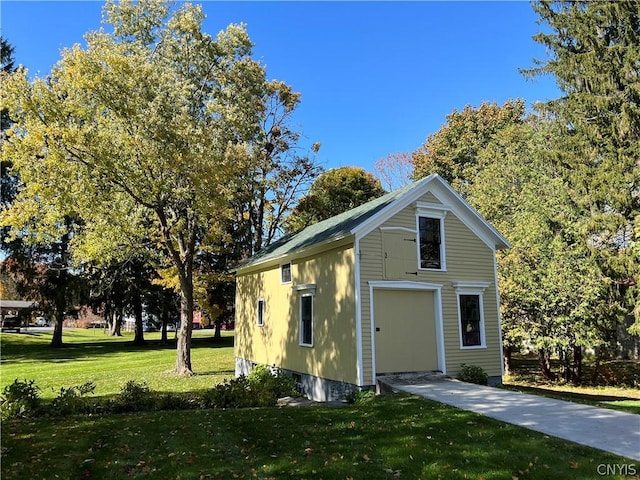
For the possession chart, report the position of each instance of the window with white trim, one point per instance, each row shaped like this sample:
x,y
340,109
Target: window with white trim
x,y
470,320
431,242
285,273
306,319
471,313
429,232
260,312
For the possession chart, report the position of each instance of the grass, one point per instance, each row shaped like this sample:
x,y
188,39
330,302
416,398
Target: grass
x,y
396,436
525,378
91,355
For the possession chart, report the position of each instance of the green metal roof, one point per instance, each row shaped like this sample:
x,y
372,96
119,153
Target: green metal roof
x,y
331,229
354,222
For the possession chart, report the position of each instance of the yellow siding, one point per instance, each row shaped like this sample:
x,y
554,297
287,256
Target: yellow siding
x,y
430,198
333,355
467,259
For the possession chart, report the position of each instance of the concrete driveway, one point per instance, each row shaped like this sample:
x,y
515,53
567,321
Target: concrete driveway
x,y
601,428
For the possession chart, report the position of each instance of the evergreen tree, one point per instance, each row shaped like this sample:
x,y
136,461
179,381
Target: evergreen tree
x,y
595,58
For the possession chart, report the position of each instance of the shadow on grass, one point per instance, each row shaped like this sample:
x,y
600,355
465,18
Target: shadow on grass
x,y
16,349
570,396
392,437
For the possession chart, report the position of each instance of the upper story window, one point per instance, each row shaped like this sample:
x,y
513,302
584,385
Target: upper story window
x,y
431,245
285,273
429,230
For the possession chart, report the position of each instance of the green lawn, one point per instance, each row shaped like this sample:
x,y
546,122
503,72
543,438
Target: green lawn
x,y
91,355
396,436
610,393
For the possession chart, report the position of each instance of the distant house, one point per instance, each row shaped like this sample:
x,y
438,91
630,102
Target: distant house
x,y
404,283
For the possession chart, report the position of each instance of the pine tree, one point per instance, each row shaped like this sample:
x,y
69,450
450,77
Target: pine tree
x,y
595,58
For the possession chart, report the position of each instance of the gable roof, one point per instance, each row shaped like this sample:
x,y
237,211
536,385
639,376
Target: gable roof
x,y
366,217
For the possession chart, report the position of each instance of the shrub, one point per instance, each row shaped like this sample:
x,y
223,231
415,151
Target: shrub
x,y
234,393
271,383
173,401
473,374
20,399
73,400
134,397
620,373
360,396
261,388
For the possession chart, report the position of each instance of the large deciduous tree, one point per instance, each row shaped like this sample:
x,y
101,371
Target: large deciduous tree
x,y
452,152
395,170
594,55
334,192
550,285
141,131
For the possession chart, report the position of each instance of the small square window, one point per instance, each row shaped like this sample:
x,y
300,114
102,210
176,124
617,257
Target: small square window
x,y
260,315
285,273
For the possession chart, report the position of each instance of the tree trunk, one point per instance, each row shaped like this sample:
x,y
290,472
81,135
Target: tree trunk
x,y
507,351
183,359
165,318
116,324
56,339
62,286
183,260
217,329
137,311
577,364
596,366
545,364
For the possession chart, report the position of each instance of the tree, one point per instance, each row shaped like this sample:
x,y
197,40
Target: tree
x,y
9,182
39,268
277,176
395,170
452,152
122,287
550,286
151,121
7,65
42,273
334,192
594,52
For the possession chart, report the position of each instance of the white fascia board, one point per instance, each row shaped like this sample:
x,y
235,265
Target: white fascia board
x,y
468,215
394,207
358,300
451,201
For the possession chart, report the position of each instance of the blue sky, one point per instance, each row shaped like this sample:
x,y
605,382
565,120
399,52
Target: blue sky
x,y
376,77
